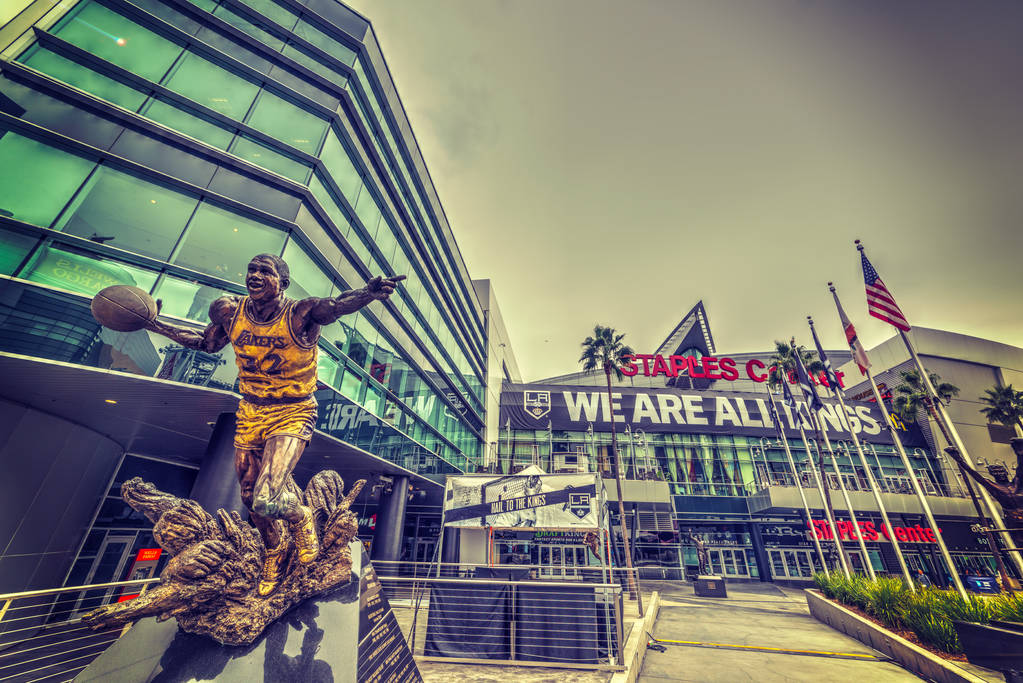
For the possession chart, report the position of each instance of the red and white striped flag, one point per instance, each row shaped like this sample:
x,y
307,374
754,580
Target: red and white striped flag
x,y
858,352
880,302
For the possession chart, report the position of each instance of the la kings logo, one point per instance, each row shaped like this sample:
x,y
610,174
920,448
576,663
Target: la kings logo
x,y
579,504
536,403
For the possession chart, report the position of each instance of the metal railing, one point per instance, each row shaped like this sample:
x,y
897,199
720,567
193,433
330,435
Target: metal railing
x,y
553,623
41,634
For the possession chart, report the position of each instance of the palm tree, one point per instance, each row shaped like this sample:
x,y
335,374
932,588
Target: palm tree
x,y
783,362
605,351
912,396
1004,406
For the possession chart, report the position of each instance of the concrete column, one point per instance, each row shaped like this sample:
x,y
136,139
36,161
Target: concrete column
x,y
390,522
763,566
216,486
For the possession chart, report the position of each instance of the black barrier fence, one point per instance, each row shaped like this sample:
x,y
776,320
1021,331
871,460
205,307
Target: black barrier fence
x,y
576,624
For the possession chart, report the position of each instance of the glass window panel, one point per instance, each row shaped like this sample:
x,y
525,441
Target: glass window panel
x,y
261,155
14,247
208,5
138,215
359,247
274,12
314,65
187,299
243,24
117,39
36,181
321,40
352,386
368,212
307,279
287,122
82,78
222,243
212,86
326,200
327,369
82,272
188,123
340,167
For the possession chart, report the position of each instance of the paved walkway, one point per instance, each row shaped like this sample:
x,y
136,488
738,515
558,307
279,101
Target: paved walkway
x,y
755,614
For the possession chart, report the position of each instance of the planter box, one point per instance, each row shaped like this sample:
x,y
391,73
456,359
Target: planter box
x,y
912,657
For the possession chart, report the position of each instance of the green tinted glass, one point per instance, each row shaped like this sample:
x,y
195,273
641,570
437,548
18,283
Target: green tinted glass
x,y
210,85
208,5
311,63
137,215
274,12
222,243
287,122
82,78
306,277
257,32
321,40
36,181
117,39
182,121
326,200
261,155
14,247
184,299
86,273
340,167
367,211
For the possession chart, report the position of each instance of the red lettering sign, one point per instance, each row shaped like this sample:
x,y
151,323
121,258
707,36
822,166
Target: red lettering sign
x,y
148,554
705,367
847,532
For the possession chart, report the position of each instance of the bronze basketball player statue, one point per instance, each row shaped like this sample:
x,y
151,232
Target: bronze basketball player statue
x,y
275,345
226,579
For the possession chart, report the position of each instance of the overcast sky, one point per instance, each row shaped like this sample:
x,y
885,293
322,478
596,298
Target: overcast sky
x,y
615,162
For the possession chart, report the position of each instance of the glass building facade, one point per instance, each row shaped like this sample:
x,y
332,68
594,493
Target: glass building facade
x,y
162,144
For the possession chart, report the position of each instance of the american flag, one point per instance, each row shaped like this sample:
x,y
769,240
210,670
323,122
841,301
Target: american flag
x,y
880,302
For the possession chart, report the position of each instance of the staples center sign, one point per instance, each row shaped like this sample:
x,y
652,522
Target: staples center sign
x,y
705,367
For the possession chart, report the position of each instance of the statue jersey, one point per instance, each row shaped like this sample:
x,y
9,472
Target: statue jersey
x,y
273,365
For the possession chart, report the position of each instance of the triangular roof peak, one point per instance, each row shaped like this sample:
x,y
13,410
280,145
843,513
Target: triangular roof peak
x,y
692,330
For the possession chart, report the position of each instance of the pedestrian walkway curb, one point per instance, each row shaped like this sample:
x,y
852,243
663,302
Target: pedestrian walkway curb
x,y
914,658
635,646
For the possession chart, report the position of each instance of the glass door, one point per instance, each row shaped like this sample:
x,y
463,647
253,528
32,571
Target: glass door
x,y
108,567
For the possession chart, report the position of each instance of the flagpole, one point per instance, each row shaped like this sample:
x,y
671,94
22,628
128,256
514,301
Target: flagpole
x,y
916,487
790,402
939,406
874,488
795,479
882,305
813,403
857,531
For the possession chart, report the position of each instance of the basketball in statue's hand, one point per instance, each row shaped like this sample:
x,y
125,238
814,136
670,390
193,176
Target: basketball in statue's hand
x,y
123,308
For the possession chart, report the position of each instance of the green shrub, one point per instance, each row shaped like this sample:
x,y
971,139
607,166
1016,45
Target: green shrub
x,y
924,613
885,597
1006,607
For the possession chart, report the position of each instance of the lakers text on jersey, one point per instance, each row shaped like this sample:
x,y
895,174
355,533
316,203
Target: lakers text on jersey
x,y
273,365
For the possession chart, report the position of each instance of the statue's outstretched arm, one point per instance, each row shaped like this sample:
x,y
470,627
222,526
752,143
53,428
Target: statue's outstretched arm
x,y
997,492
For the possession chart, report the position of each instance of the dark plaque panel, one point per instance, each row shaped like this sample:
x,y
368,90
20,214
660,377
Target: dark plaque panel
x,y
383,654
349,635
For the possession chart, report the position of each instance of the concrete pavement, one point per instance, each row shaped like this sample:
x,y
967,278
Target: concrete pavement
x,y
755,614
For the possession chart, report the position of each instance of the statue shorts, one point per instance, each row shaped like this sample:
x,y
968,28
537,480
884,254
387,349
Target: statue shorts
x,y
257,423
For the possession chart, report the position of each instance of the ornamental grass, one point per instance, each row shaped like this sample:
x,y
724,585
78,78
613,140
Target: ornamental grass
x,y
928,613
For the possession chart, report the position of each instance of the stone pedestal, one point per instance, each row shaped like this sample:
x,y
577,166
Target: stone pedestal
x,y
710,587
348,635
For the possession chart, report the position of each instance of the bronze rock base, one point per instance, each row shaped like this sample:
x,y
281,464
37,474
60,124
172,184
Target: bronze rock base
x,y
209,584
